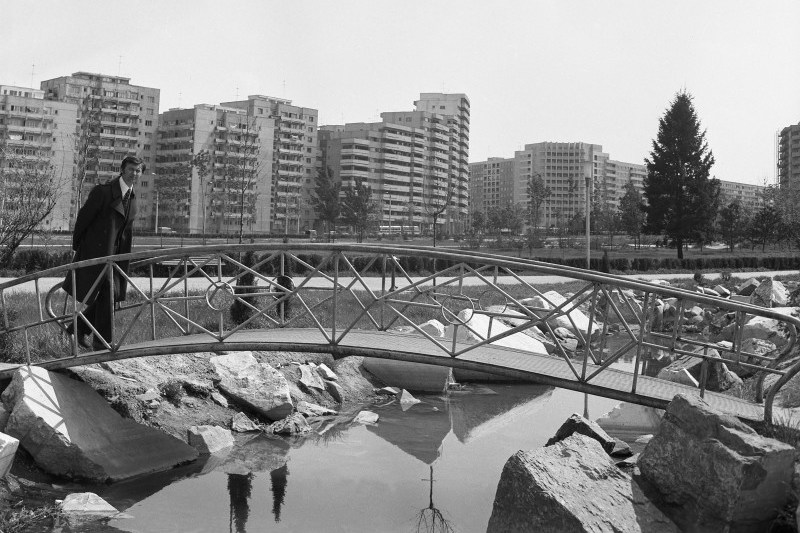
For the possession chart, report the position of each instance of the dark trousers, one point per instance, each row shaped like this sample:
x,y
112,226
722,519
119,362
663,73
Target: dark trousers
x,y
99,313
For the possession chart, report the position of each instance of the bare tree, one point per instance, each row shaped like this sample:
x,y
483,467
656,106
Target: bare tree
x,y
436,196
242,168
29,190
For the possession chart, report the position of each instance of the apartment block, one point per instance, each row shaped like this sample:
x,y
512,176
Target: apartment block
x,y
116,119
416,162
295,150
35,131
567,168
789,156
235,186
491,184
750,196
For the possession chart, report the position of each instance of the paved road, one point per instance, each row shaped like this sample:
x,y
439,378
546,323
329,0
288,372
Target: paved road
x,y
375,283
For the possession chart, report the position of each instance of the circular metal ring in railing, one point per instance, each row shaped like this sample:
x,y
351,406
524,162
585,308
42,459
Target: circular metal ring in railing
x,y
213,289
453,318
484,302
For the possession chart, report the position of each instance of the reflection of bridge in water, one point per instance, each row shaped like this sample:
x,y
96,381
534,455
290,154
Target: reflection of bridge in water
x,y
351,300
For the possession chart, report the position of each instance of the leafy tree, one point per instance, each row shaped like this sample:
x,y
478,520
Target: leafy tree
x,y
478,221
359,208
494,220
681,198
787,201
325,198
538,192
632,213
513,216
732,224
29,190
764,226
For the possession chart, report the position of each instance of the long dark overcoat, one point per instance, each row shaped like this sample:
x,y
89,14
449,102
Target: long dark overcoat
x,y
102,229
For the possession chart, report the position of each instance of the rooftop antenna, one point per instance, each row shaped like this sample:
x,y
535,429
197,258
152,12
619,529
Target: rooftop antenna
x,y
237,92
33,69
119,67
284,89
179,98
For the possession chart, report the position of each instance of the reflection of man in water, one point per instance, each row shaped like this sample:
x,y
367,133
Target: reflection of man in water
x,y
103,227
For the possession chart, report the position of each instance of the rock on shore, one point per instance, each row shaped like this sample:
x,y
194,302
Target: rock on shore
x,y
572,486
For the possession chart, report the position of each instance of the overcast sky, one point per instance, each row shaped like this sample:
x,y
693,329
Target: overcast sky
x,y
592,71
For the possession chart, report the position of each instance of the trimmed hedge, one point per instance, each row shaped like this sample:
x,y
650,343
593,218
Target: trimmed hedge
x,y
28,261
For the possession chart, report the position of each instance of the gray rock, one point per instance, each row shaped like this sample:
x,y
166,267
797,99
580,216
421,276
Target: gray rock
x,y
310,378
82,507
149,395
770,293
312,409
219,399
257,386
197,387
716,470
241,423
748,287
8,450
407,400
722,291
291,425
209,440
326,373
577,424
760,327
571,487
335,390
366,417
621,449
4,414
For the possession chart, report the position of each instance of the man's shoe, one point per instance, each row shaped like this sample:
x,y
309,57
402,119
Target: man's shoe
x,y
83,340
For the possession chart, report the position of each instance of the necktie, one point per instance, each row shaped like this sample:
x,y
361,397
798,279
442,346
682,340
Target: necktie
x,y
125,200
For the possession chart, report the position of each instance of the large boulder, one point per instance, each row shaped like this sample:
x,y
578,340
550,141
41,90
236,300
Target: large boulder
x,y
715,470
571,487
257,386
761,327
770,293
71,431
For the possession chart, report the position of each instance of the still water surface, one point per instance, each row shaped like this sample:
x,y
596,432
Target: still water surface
x,y
357,478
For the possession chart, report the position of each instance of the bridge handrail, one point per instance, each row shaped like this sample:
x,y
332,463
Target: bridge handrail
x,y
188,255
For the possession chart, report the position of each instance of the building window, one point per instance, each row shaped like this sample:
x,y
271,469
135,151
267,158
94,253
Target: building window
x,y
148,122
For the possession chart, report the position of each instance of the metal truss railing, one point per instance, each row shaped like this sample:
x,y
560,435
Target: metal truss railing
x,y
338,289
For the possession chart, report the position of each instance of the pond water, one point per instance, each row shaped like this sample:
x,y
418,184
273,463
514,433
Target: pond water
x,y
356,478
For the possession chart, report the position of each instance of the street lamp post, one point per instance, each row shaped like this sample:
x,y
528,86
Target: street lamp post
x,y
588,234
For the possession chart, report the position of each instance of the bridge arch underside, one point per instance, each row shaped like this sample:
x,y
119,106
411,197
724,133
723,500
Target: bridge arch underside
x,y
505,362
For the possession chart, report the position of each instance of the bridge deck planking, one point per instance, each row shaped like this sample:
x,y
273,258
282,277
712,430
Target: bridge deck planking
x,y
507,362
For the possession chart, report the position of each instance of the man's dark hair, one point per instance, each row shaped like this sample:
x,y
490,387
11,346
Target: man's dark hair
x,y
132,160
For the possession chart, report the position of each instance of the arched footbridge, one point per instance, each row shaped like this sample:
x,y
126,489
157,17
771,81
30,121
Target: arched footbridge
x,y
598,336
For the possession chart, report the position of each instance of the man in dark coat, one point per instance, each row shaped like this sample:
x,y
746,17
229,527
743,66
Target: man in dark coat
x,y
103,227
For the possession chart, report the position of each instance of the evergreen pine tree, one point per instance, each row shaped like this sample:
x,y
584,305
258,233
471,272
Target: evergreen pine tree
x,y
682,200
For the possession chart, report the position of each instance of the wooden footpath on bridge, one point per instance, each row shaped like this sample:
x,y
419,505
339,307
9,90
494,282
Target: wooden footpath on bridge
x,y
540,368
